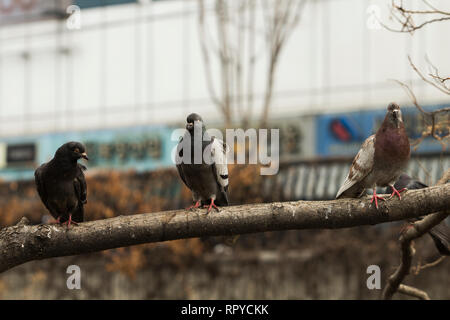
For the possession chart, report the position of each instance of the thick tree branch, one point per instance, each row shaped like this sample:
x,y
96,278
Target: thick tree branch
x,y
407,251
418,229
22,243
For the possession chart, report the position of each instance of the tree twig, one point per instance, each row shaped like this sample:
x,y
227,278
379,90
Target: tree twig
x,y
431,115
419,267
414,292
439,87
405,17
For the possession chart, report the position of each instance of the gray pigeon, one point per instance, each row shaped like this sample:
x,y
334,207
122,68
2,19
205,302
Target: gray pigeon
x,y
61,184
381,159
439,233
207,179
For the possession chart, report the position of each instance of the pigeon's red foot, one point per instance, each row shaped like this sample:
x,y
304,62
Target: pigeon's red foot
x,y
212,205
69,222
397,192
194,206
376,197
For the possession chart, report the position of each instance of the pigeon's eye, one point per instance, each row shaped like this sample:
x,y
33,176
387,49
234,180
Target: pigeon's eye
x,y
77,150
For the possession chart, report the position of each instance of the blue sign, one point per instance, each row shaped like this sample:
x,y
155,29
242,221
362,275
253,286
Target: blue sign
x,y
139,148
341,134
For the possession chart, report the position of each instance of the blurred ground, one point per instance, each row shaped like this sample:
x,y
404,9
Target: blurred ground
x,y
320,264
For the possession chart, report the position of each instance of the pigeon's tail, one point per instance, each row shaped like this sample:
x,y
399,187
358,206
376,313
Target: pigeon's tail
x,y
355,191
441,237
222,199
78,215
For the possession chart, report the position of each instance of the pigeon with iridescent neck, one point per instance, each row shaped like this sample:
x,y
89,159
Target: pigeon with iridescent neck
x,y
381,160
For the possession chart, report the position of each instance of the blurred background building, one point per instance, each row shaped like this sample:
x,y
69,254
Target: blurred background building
x,y
119,75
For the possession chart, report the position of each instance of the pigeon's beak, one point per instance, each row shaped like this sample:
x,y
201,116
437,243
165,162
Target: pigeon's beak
x,y
189,126
84,156
395,114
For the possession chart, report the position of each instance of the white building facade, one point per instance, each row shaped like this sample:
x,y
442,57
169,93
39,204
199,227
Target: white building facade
x,y
75,72
141,63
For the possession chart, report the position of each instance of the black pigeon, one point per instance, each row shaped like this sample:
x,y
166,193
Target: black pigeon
x,y
207,179
61,184
439,233
405,181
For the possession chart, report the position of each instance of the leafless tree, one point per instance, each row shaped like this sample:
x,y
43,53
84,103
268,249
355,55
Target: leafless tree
x,y
405,21
235,42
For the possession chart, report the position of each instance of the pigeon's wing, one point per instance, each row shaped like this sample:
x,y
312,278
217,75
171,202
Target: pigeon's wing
x,y
362,165
40,186
406,181
441,237
414,184
220,169
220,165
79,184
181,174
179,165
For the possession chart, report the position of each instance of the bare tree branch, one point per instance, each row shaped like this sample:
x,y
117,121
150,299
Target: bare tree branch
x,y
206,58
251,63
441,88
416,270
279,27
22,243
418,229
236,55
226,58
430,116
405,17
414,292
